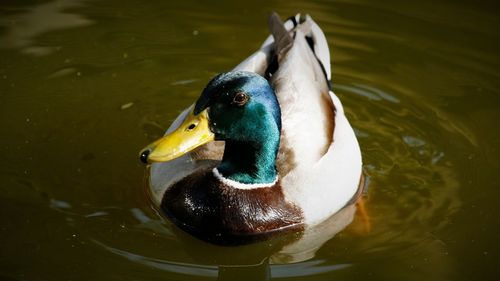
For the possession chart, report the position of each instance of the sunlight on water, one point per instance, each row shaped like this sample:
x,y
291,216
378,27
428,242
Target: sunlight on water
x,y
24,27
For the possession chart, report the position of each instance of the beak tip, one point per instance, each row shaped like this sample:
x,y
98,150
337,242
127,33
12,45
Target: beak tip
x,y
144,156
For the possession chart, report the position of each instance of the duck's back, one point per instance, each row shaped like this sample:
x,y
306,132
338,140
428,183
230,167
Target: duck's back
x,y
301,85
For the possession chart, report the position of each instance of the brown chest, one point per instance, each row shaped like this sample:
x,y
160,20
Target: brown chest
x,y
203,206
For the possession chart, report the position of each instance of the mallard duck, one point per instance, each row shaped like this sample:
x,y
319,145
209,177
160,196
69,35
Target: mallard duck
x,y
265,149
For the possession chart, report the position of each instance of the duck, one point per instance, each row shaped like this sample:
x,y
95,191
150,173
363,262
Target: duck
x,y
266,149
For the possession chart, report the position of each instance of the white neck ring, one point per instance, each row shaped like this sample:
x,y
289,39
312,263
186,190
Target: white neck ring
x,y
240,185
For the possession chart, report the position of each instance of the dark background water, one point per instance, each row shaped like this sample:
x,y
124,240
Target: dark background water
x,y
85,84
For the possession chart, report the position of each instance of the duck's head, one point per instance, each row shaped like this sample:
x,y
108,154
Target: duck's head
x,y
239,108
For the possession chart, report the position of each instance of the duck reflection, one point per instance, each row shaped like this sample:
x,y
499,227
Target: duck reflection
x,y
262,260
282,256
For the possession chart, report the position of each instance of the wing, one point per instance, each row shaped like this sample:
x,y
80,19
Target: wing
x,y
296,60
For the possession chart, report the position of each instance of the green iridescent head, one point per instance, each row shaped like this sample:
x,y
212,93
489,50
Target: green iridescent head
x,y
241,106
244,112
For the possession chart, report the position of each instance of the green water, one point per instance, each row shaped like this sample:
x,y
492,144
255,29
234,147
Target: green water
x,y
84,85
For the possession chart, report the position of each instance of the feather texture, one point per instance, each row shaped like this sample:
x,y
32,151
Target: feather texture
x,y
319,160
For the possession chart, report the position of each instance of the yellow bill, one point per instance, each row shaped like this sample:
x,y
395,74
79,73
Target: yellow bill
x,y
193,132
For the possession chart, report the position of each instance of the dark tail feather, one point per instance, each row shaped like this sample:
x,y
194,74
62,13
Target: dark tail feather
x,y
283,41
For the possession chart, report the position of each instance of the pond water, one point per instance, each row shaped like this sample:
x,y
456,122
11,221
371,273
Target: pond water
x,y
84,85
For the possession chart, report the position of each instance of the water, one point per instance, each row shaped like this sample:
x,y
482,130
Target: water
x,y
85,84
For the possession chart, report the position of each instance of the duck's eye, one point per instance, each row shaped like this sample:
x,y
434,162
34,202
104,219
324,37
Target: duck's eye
x,y
240,99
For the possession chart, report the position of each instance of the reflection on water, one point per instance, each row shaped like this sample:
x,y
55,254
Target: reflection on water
x,y
419,87
264,270
229,262
368,92
22,29
167,266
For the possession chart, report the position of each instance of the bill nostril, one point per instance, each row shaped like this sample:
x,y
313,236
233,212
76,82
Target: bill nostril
x,y
144,156
191,127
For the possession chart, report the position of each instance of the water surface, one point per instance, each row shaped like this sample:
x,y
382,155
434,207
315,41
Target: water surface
x,y
85,84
